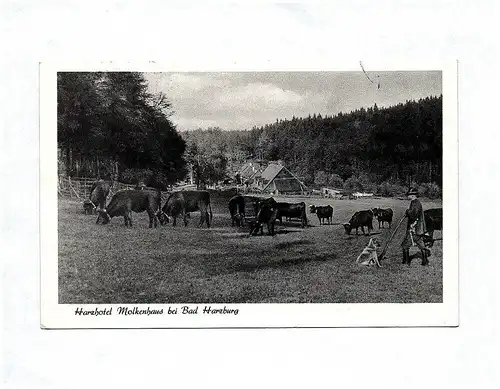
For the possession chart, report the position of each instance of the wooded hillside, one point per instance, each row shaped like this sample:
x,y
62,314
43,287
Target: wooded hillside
x,y
399,145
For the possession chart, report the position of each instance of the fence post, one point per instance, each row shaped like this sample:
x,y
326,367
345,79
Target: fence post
x,y
71,187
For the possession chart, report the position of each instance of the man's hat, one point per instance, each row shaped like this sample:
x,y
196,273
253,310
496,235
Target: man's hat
x,y
412,191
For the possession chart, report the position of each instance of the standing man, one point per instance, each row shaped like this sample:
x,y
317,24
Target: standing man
x,y
415,229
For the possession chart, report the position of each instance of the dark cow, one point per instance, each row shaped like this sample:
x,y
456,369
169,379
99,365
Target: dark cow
x,y
323,212
360,219
383,215
126,201
97,200
266,201
237,210
267,215
140,186
238,206
433,221
89,207
183,202
296,210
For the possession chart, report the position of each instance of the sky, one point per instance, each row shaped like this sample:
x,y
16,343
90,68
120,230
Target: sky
x,y
241,100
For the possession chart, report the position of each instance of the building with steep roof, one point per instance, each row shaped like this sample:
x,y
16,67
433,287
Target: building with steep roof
x,y
277,179
250,172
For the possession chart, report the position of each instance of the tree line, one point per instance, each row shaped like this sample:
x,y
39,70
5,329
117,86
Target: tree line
x,y
110,126
366,149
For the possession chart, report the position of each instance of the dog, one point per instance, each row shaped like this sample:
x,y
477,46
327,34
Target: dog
x,y
369,254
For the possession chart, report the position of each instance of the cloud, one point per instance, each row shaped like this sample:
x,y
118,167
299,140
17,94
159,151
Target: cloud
x,y
226,100
184,85
258,96
243,100
181,83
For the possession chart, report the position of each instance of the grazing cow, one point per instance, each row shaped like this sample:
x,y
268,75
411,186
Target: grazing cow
x,y
140,186
323,212
126,201
433,221
289,210
183,202
237,206
383,215
267,215
360,219
97,200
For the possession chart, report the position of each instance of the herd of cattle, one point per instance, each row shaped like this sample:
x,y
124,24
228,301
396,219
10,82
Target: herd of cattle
x,y
243,209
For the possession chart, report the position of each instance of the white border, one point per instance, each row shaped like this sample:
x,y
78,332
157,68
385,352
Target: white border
x,y
54,315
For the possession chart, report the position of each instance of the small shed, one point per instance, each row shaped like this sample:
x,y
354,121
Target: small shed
x,y
331,193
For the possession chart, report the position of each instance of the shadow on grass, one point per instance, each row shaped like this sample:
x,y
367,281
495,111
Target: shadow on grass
x,y
281,232
285,245
283,263
418,257
326,225
284,232
349,237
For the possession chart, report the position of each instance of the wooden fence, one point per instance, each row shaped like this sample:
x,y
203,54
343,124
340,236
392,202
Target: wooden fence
x,y
79,187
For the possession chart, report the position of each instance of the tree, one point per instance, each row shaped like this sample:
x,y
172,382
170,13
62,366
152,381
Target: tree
x,y
111,116
209,166
335,181
320,178
352,184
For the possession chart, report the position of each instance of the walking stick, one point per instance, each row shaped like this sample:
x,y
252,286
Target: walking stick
x,y
381,256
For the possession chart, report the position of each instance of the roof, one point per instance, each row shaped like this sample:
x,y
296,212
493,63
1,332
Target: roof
x,y
271,171
249,170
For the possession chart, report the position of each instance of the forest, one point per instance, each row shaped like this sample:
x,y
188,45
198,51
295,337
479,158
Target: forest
x,y
109,126
370,149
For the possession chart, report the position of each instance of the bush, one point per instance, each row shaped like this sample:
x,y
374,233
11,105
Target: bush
x,y
154,179
384,189
430,190
387,189
320,178
367,184
135,176
359,184
335,181
352,184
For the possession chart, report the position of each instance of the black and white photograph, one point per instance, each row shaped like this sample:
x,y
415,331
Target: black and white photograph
x,y
208,190
249,194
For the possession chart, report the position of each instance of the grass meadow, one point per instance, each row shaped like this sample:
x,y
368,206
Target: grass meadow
x,y
116,264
